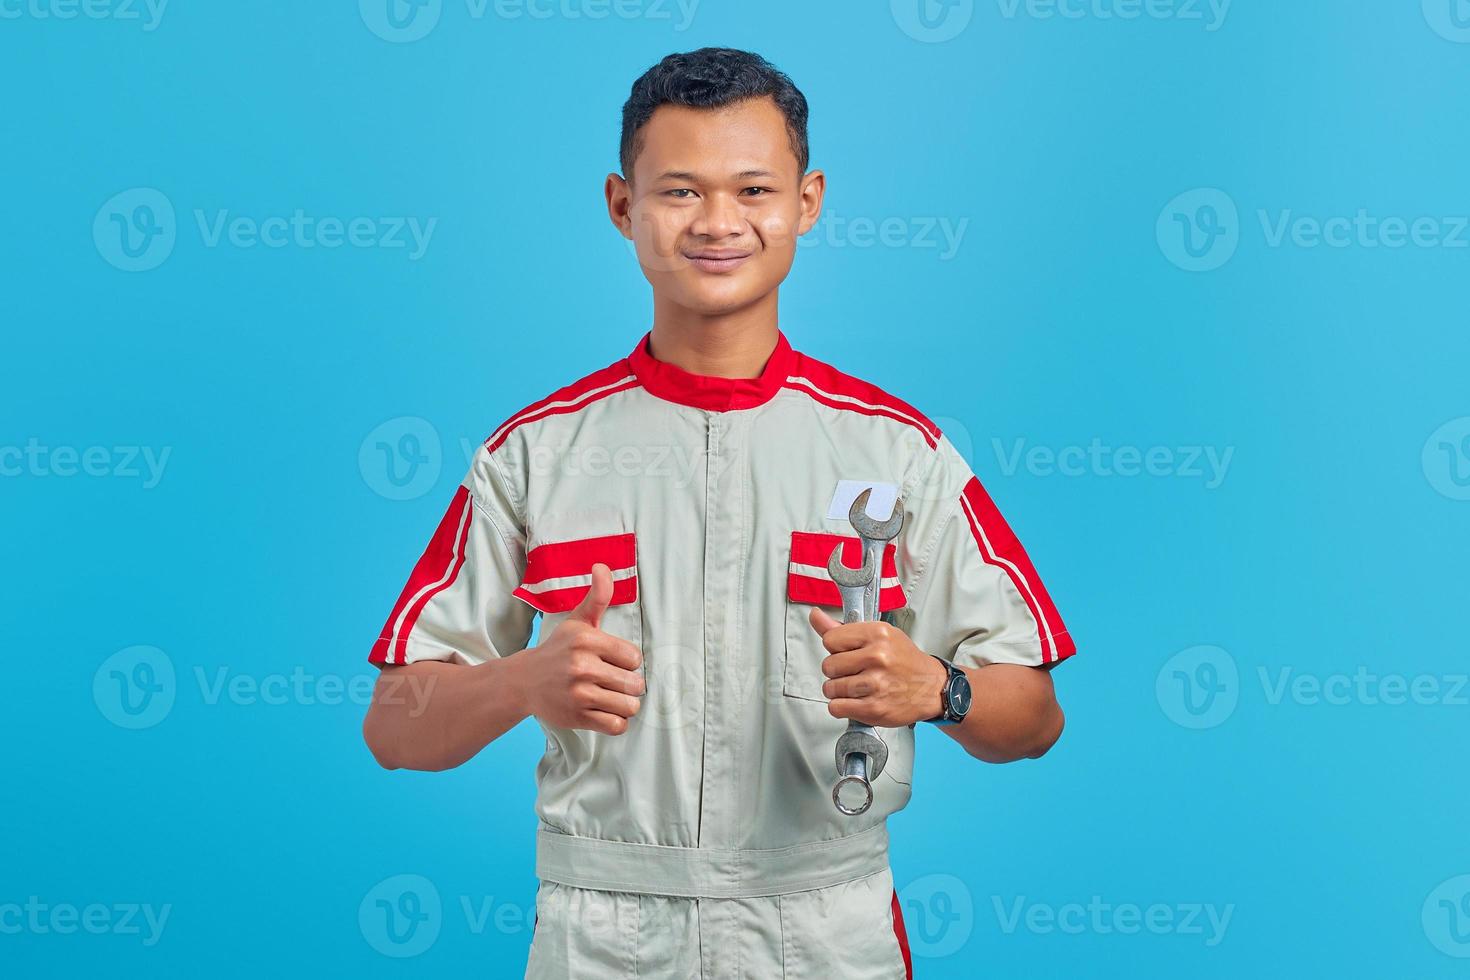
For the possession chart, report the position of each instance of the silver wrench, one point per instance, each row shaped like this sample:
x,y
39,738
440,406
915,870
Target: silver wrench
x,y
861,752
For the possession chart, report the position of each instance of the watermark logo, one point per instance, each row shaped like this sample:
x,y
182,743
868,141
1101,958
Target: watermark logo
x,y
401,458
135,687
135,230
38,918
1199,230
400,21
144,463
401,916
932,21
1450,19
1208,464
1203,919
1210,13
1446,917
149,13
943,235
1199,687
1446,459
938,915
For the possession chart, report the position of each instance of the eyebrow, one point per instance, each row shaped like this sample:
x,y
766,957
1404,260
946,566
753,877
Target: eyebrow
x,y
695,178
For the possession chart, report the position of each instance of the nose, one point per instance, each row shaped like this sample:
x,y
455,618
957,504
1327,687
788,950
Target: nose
x,y
719,217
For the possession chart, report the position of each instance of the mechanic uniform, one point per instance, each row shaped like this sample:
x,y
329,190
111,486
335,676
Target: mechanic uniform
x,y
703,841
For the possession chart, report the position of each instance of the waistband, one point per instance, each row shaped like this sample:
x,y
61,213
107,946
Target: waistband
x,y
706,872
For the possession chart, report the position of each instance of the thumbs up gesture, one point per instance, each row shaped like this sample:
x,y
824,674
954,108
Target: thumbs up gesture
x,y
581,677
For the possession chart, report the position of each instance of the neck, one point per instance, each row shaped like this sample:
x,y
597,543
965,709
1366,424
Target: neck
x,y
725,345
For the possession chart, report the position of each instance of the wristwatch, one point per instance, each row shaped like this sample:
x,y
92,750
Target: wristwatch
x,y
955,696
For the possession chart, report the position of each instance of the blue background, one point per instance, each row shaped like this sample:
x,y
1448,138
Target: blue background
x,y
1333,833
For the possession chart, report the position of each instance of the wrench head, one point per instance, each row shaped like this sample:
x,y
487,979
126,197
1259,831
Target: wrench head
x,y
852,578
873,530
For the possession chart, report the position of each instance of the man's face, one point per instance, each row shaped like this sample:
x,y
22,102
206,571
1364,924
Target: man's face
x,y
715,204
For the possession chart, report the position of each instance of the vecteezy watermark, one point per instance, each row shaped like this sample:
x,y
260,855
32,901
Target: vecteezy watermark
x,y
137,688
1200,687
37,918
145,463
404,915
1363,687
1200,230
1206,463
1446,917
1209,13
403,21
1450,19
401,458
938,915
939,233
675,463
1446,459
401,916
137,229
148,13
1096,917
932,21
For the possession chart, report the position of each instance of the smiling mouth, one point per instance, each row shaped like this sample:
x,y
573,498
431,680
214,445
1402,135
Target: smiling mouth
x,y
717,261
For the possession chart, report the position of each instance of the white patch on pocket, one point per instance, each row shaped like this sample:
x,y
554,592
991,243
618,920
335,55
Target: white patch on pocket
x,y
880,504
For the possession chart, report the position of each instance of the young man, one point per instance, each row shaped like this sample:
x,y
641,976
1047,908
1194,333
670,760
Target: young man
x,y
670,517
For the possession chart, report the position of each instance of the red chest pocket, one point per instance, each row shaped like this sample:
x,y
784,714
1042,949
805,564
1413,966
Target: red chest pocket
x,y
558,574
807,580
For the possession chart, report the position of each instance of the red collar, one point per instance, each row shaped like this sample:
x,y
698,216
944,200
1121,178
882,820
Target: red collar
x,y
672,383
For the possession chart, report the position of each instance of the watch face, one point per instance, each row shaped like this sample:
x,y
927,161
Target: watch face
x,y
959,695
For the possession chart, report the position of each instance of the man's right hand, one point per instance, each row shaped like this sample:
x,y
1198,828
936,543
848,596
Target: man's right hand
x,y
579,676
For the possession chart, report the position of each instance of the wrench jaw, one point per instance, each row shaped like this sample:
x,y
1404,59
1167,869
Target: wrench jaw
x,y
875,536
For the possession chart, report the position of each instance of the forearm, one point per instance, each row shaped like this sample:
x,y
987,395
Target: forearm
x,y
432,715
1014,714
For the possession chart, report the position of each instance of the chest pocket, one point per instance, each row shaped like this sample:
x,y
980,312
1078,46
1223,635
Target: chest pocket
x,y
562,548
808,584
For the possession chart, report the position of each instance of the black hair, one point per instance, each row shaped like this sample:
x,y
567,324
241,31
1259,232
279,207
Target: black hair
x,y
706,79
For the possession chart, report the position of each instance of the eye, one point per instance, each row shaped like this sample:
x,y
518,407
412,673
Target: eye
x,y
764,191
678,192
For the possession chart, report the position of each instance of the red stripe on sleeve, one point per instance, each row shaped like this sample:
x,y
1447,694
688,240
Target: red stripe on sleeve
x,y
436,569
999,546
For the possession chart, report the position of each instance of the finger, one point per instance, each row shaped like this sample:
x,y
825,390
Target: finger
x,y
602,721
617,679
851,636
596,698
844,664
853,686
845,708
618,652
822,620
595,602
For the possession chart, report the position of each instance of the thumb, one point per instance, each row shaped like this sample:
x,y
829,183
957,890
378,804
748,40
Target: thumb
x,y
591,608
822,620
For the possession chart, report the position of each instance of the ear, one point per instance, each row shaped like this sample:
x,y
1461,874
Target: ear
x,y
813,186
619,204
